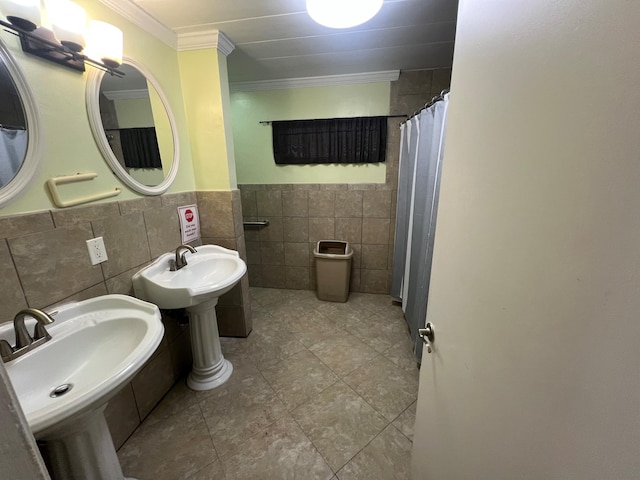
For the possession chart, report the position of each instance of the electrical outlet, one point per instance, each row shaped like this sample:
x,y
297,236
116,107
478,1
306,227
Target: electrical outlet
x,y
97,252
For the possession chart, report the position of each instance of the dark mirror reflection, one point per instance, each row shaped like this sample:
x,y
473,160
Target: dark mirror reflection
x,y
13,128
137,126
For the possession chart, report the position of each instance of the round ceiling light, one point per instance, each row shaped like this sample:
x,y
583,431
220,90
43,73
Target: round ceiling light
x,y
342,13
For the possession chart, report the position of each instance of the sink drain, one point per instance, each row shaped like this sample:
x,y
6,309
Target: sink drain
x,y
61,390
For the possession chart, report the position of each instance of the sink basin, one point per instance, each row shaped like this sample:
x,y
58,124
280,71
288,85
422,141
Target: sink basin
x,y
97,346
210,272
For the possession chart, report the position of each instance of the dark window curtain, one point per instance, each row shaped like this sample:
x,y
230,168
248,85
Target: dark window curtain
x,y
140,148
335,140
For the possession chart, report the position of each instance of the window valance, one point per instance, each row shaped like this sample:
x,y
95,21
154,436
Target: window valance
x,y
334,140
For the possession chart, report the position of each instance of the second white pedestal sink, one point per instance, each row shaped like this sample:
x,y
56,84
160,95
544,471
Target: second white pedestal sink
x,y
209,273
63,385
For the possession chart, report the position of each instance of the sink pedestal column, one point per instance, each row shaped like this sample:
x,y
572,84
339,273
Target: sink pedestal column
x,y
82,448
210,368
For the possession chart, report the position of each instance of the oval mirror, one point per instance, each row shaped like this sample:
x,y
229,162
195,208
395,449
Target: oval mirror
x,y
19,140
134,127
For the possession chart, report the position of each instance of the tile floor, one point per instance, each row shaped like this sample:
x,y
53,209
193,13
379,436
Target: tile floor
x,y
319,391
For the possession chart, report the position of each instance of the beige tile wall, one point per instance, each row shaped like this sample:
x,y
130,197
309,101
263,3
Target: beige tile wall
x,y
221,224
281,255
44,261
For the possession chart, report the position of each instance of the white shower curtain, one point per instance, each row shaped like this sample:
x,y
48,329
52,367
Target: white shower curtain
x,y
421,151
13,147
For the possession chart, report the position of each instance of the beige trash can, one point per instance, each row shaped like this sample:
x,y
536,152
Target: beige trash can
x,y
333,270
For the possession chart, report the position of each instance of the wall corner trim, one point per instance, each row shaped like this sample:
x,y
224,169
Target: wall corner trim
x,y
142,19
202,39
320,81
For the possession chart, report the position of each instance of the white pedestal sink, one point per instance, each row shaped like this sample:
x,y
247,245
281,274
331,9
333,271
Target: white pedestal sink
x,y
97,346
210,272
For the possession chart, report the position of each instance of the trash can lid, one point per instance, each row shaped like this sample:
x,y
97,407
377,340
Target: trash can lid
x,y
332,246
333,249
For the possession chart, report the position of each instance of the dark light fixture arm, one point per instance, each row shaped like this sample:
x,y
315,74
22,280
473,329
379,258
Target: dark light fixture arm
x,y
55,52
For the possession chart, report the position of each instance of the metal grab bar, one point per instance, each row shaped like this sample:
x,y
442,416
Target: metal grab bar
x,y
259,223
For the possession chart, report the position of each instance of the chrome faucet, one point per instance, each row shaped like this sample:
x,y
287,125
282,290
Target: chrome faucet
x,y
24,341
181,260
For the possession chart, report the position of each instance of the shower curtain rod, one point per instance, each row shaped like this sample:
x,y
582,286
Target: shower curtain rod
x,y
269,122
435,99
12,127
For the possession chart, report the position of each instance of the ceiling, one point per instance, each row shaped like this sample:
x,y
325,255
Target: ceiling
x,y
277,39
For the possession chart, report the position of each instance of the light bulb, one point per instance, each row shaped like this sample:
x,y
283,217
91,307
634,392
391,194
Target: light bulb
x,y
23,14
104,43
69,22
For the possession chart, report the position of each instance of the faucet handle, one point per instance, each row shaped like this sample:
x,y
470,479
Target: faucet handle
x,y
5,350
39,331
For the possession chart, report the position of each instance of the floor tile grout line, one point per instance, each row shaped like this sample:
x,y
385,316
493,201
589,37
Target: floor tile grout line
x,y
400,431
148,420
313,444
400,414
281,359
205,466
374,437
213,444
310,399
314,395
368,443
332,370
372,406
365,401
238,449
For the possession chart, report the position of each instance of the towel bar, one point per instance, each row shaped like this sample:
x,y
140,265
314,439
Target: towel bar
x,y
53,183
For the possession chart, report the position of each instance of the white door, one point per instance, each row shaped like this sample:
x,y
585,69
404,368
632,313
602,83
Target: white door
x,y
535,291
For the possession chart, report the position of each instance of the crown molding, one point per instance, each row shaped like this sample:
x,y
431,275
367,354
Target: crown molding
x,y
205,39
225,45
136,15
321,81
126,94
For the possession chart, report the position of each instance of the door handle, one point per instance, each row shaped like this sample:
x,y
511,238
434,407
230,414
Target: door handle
x,y
427,335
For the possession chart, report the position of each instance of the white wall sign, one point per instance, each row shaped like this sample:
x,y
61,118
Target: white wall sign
x,y
189,223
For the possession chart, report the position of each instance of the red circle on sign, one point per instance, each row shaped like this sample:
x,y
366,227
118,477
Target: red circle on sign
x,y
188,214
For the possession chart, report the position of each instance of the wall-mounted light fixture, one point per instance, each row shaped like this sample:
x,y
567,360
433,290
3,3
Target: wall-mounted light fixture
x,y
68,42
342,13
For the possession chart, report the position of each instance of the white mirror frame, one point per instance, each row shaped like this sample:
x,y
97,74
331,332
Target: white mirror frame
x,y
32,158
95,121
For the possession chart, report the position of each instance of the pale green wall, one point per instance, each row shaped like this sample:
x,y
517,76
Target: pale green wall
x,y
252,140
225,100
68,145
134,113
206,100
